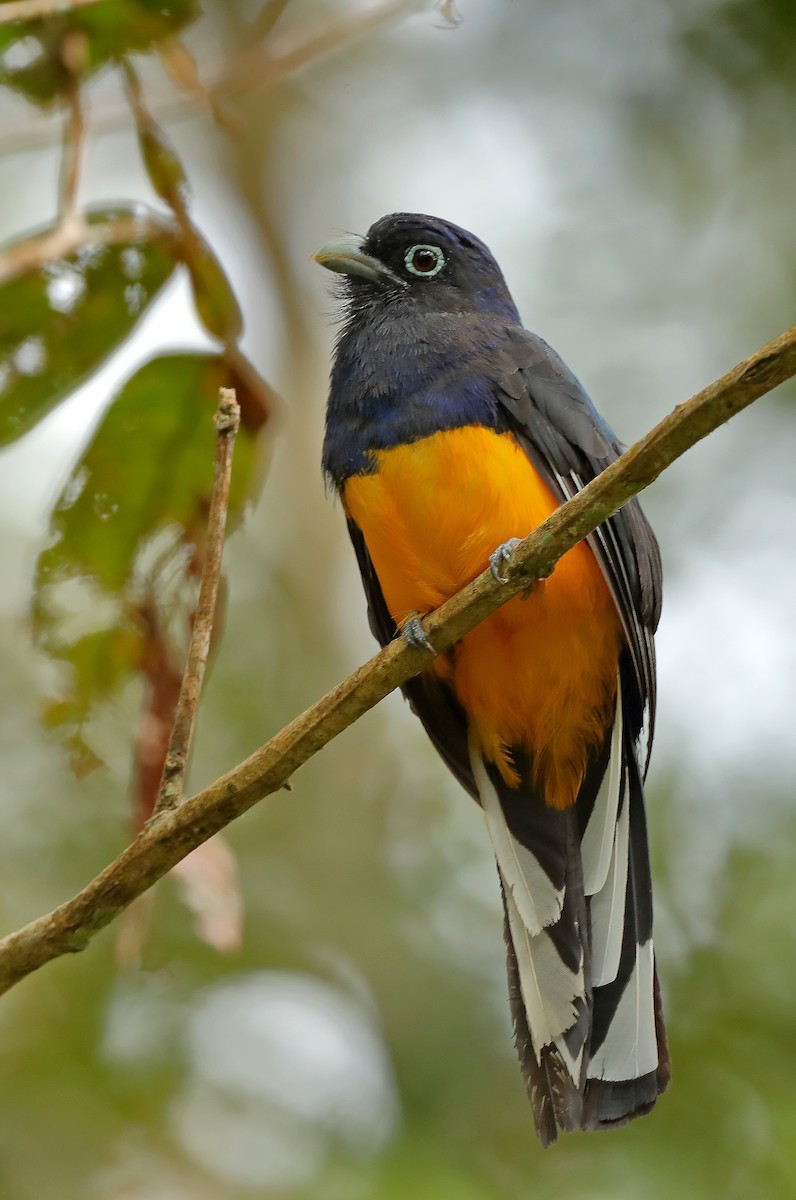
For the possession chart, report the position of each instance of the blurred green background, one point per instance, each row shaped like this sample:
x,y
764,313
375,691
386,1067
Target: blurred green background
x,y
632,164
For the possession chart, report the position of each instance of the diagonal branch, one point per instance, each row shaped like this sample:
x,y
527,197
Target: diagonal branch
x,y
173,834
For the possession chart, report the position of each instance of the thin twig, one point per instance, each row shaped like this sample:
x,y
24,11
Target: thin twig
x,y
30,10
227,421
173,834
72,154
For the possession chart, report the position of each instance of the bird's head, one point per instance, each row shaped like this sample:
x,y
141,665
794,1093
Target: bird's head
x,y
431,263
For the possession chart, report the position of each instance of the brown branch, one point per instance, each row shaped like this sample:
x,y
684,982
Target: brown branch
x,y
173,834
227,420
30,10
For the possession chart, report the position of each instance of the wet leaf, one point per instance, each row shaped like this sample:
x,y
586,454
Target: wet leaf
x,y
148,466
33,55
60,322
125,526
215,301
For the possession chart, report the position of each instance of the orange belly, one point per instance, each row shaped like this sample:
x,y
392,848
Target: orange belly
x,y
540,673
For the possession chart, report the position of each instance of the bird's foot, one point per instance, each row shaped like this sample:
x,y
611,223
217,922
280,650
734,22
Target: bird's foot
x,y
414,634
498,558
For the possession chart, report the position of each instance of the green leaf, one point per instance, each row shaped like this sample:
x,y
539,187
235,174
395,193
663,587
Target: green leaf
x,y
32,58
166,172
148,466
124,525
216,306
60,322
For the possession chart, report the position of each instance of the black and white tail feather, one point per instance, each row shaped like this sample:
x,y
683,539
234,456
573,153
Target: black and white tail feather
x,y
578,929
576,884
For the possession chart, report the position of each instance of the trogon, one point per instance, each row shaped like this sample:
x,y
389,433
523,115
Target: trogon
x,y
450,431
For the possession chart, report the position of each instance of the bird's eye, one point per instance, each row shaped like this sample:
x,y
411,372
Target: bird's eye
x,y
424,260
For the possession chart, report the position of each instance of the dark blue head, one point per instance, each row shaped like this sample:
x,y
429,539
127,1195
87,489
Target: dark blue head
x,y
427,312
429,264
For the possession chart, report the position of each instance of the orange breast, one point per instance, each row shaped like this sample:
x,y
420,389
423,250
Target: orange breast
x,y
540,673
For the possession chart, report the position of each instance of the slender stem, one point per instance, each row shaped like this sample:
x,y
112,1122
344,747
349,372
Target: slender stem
x,y
29,10
72,156
227,421
175,832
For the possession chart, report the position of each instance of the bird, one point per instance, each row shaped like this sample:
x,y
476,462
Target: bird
x,y
451,432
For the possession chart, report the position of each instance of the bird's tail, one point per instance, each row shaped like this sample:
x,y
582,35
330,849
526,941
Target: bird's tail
x,y
578,928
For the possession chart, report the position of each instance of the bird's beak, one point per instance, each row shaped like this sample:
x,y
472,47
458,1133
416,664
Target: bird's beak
x,y
346,256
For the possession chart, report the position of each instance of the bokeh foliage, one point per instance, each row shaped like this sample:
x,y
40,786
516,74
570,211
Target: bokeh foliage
x,y
74,292
60,321
79,43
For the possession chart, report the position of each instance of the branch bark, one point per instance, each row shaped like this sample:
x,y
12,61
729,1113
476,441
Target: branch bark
x,y
173,834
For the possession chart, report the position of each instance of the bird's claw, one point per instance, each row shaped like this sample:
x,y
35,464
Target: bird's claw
x,y
414,634
498,558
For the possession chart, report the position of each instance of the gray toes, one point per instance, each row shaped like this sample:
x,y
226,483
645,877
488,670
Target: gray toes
x,y
498,558
414,634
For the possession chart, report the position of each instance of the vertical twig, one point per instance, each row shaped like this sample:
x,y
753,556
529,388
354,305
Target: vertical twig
x,y
72,156
227,420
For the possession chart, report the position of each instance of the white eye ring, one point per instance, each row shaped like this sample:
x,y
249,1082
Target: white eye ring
x,y
435,250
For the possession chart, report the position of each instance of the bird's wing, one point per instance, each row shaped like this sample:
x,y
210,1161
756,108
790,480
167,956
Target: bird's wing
x,y
569,444
626,1067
